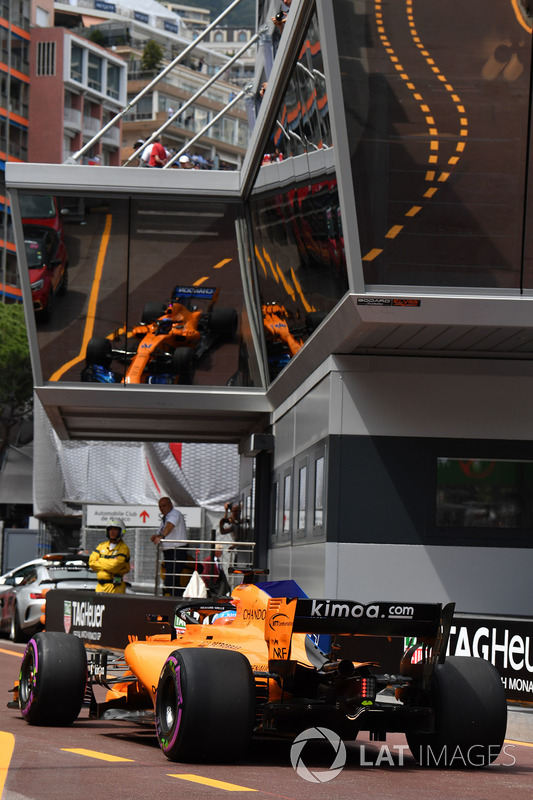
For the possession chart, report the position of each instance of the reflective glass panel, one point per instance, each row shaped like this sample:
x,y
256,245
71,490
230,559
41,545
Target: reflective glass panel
x,y
483,493
301,265
137,291
437,104
319,492
302,120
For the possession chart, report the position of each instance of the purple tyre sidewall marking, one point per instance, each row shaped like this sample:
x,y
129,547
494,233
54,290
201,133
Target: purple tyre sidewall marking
x,y
177,673
31,646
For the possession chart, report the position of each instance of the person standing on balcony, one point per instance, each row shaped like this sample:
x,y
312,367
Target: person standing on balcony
x,y
172,537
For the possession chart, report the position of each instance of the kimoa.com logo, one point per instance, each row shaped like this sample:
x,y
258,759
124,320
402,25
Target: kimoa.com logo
x,y
314,734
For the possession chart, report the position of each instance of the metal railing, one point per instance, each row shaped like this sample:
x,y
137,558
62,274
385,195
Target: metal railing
x,y
234,554
158,78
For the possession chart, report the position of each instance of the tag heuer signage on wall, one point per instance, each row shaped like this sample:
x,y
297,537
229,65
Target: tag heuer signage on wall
x,y
138,516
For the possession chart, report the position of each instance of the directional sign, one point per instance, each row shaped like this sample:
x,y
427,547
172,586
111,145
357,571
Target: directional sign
x,y
138,516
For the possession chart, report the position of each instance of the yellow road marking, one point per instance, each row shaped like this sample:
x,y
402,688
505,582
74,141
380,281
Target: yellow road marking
x,y
288,288
268,260
93,298
200,281
514,741
228,787
221,263
94,754
258,256
393,232
306,305
372,254
11,652
7,745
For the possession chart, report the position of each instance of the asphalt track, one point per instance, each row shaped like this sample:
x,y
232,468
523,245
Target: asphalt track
x,y
123,761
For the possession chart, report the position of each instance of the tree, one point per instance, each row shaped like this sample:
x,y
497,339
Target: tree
x,y
152,56
95,35
16,381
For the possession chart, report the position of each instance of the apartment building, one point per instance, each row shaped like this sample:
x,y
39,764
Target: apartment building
x,y
76,87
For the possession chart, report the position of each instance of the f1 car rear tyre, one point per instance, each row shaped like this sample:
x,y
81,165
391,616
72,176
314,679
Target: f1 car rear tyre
x,y
52,681
470,716
183,364
98,352
224,321
205,705
152,311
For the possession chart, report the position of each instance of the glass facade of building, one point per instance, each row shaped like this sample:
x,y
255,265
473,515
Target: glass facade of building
x,y
437,101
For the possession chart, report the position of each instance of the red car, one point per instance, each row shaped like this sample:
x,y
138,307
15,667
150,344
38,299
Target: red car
x,y
47,259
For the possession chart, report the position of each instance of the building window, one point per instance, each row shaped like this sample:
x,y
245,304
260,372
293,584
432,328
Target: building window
x,y
302,497
318,512
46,59
76,63
113,81
95,72
484,493
218,37
275,508
242,37
286,503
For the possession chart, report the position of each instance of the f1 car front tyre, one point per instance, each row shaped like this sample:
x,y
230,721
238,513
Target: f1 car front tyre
x,y
470,716
98,352
152,311
52,680
205,705
183,363
224,322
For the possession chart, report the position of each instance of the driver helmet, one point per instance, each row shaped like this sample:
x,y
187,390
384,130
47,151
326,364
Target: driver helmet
x,y
223,617
116,523
164,325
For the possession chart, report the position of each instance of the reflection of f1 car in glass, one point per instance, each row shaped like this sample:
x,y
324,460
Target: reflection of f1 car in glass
x,y
169,341
285,333
219,672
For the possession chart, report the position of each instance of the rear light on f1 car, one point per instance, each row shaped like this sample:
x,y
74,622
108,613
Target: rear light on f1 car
x,y
366,689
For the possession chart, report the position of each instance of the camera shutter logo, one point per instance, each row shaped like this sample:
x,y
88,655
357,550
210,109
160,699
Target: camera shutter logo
x,y
318,776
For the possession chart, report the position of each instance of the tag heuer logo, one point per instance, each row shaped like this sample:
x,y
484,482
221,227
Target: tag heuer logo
x,y
67,615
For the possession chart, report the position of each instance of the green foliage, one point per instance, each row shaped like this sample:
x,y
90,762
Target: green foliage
x,y
152,56
95,35
16,383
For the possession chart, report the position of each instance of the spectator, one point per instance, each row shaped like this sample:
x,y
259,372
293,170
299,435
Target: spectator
x,y
212,566
145,156
158,155
172,536
229,529
111,559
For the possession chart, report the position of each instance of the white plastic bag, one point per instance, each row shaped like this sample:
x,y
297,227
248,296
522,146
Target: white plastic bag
x,y
195,587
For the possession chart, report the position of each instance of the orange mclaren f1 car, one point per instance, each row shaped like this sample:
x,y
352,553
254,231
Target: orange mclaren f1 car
x,y
166,345
247,666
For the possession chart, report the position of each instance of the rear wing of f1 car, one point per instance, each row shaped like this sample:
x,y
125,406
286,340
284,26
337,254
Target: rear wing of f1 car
x,y
195,292
428,622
